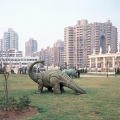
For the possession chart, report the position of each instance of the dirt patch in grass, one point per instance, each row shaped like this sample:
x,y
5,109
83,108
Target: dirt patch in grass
x,y
19,115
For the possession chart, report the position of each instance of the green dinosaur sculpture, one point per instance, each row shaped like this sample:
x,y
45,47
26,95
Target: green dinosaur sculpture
x,y
70,72
53,79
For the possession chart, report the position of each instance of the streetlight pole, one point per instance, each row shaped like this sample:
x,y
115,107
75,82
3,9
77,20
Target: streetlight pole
x,y
107,68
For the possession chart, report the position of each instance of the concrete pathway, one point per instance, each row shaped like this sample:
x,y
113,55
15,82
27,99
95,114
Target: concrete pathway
x,y
82,75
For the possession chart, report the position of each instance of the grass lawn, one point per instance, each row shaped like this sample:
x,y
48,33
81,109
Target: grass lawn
x,y
102,101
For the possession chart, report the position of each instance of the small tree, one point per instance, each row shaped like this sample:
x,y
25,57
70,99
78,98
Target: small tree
x,y
5,100
9,103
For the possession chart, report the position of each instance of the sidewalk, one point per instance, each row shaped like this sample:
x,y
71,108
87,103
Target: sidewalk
x,y
82,75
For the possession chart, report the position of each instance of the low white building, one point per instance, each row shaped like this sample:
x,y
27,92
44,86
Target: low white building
x,y
104,62
14,59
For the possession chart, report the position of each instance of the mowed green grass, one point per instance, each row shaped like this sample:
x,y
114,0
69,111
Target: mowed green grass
x,y
102,101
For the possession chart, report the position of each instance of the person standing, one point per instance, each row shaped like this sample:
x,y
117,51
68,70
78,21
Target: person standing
x,y
78,71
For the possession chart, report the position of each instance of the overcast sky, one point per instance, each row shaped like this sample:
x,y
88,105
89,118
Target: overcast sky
x,y
45,20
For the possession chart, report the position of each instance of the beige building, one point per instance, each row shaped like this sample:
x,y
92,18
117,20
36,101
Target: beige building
x,y
58,53
80,41
101,36
46,55
49,56
53,56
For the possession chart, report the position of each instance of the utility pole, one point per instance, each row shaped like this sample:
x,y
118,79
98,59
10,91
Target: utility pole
x,y
107,68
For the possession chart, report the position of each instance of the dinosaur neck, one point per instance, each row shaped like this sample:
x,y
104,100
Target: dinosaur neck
x,y
33,75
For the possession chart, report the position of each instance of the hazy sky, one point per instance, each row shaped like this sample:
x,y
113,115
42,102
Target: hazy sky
x,y
45,20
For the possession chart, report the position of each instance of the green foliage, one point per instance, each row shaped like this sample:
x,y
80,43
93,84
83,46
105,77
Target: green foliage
x,y
23,102
13,103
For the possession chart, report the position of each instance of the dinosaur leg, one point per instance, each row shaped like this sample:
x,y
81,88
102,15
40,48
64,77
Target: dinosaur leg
x,y
55,84
61,88
50,89
57,88
40,86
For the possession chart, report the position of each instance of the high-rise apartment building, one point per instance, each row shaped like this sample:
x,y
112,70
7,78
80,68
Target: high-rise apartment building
x,y
81,39
49,56
46,55
1,44
30,47
75,49
42,54
58,53
52,56
10,39
101,35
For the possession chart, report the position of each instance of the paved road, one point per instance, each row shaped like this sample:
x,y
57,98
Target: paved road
x,y
97,76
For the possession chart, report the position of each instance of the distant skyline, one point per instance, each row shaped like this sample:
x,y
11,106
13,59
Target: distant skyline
x,y
45,20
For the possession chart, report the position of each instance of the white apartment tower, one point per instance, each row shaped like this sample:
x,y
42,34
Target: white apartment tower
x,y
10,39
81,39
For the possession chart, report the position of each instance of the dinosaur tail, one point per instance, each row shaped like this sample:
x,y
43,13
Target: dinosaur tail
x,y
33,75
75,87
72,85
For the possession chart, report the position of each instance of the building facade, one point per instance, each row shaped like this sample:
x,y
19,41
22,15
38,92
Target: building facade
x,y
108,62
30,47
75,49
46,55
14,59
48,58
42,54
10,39
80,41
11,53
58,53
53,56
1,44
101,36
